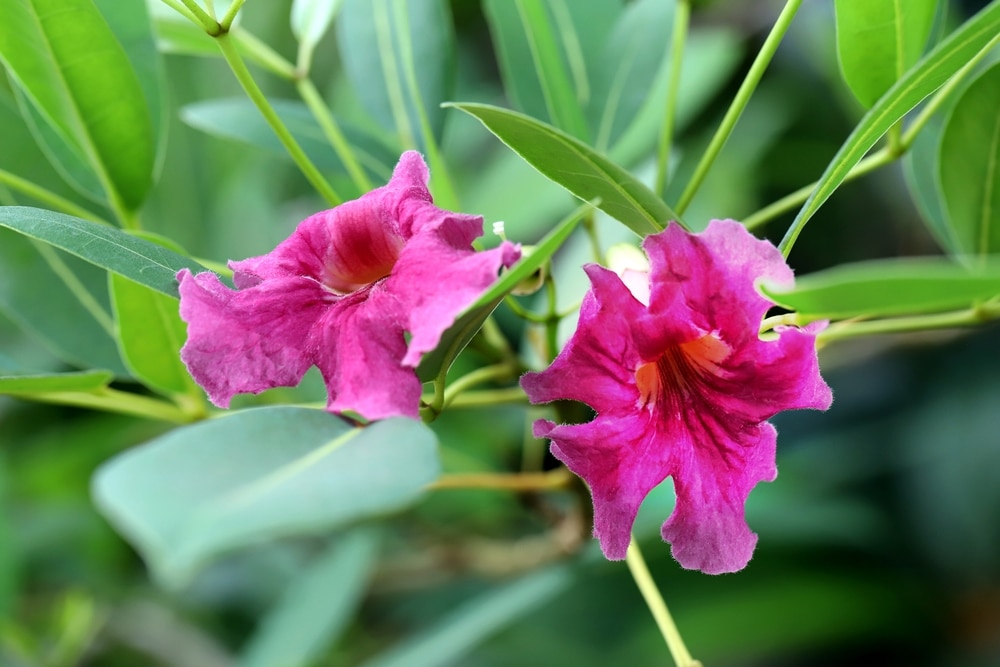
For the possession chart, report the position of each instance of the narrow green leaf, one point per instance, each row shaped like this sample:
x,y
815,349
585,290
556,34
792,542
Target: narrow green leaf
x,y
137,259
382,43
150,335
576,167
317,606
920,81
95,103
458,335
59,300
41,383
878,40
311,19
887,287
969,166
239,120
255,475
453,637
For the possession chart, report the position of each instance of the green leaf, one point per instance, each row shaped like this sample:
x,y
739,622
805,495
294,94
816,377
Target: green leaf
x,y
96,103
150,335
920,167
137,259
576,167
458,335
453,637
317,606
176,34
920,81
310,21
399,57
885,288
878,40
239,120
969,166
59,300
256,475
41,383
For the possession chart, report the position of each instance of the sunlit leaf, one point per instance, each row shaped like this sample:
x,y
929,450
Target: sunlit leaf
x,y
255,475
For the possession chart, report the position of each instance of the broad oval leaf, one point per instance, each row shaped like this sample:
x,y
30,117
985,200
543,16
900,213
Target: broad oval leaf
x,y
95,103
976,34
969,166
885,288
576,167
137,259
25,384
878,40
255,475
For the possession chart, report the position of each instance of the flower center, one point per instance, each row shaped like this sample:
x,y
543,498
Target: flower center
x,y
679,371
363,247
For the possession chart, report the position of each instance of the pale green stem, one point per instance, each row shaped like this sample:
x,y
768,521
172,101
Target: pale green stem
x,y
682,17
657,606
895,139
523,312
207,23
488,397
230,16
590,225
83,295
263,55
179,7
739,103
790,201
48,198
333,134
497,372
559,478
552,322
961,318
239,68
112,400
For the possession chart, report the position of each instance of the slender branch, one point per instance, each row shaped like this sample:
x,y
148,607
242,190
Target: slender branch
x,y
239,68
207,23
263,55
739,103
682,18
230,16
559,478
479,376
657,606
307,90
969,317
112,400
489,397
179,7
50,199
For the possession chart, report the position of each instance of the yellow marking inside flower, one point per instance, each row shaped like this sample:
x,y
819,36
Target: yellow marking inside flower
x,y
679,369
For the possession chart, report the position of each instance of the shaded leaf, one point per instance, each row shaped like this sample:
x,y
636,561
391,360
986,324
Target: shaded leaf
x,y
576,167
255,475
311,19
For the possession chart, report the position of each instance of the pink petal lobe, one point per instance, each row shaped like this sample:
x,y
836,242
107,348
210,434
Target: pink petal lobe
x,y
248,340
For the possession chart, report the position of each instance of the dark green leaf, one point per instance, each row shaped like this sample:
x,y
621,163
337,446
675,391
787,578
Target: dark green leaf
x,y
878,40
41,383
255,475
887,287
576,167
969,166
137,259
95,104
317,606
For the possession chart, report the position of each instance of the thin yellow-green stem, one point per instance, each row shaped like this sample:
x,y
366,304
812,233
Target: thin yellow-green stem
x,y
657,606
179,7
207,23
496,372
951,320
263,55
239,68
488,397
739,103
50,199
312,98
682,18
559,478
112,400
230,15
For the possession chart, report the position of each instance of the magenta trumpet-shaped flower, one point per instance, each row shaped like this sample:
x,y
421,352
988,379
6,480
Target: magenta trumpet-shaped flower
x,y
339,294
682,384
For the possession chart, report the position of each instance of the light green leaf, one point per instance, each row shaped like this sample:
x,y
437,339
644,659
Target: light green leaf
x,y
920,81
458,335
878,40
256,475
576,167
41,383
150,335
310,21
176,34
399,57
137,259
96,103
885,288
317,606
969,166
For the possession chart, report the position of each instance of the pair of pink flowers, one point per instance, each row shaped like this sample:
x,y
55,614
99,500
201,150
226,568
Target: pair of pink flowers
x,y
670,360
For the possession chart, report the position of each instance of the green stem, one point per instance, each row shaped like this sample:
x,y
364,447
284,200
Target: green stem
x,y
307,90
239,68
682,17
657,606
523,312
179,7
230,16
590,225
739,103
961,318
263,55
48,198
552,321
559,478
790,201
73,284
488,397
207,23
498,372
112,400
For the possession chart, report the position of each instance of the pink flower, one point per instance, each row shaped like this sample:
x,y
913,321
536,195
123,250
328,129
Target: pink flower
x,y
682,384
339,294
